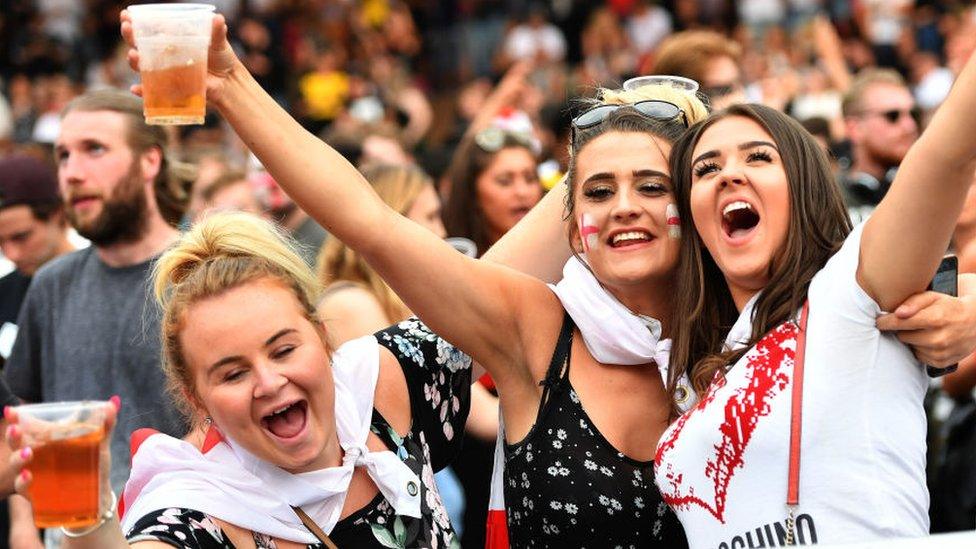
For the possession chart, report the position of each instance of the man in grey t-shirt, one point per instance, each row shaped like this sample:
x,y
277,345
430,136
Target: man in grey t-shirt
x,y
88,328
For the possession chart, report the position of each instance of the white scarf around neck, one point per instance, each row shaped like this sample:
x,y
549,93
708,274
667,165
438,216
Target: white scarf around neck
x,y
612,333
230,484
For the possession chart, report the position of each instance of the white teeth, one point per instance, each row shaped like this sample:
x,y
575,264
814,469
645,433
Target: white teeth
x,y
280,410
737,205
630,235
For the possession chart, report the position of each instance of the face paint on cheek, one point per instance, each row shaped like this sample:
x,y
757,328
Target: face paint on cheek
x,y
588,232
674,222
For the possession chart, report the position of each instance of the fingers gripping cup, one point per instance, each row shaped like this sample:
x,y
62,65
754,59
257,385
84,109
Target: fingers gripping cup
x,y
65,438
173,41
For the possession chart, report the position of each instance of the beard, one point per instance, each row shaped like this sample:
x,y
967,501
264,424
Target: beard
x,y
123,217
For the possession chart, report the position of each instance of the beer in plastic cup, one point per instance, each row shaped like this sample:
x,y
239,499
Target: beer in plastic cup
x,y
173,41
65,438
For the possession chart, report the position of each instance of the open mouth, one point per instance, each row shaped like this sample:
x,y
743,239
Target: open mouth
x,y
288,421
629,238
738,219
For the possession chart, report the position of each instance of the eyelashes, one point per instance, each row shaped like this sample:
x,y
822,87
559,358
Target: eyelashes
x,y
707,167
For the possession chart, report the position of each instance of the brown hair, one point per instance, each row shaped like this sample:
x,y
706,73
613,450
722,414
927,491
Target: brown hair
x,y
852,102
399,187
703,308
173,182
226,179
222,252
688,53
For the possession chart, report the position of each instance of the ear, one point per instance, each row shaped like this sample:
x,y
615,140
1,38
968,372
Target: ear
x,y
573,234
151,162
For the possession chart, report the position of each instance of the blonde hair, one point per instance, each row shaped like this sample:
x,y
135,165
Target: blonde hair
x,y
399,187
693,106
222,252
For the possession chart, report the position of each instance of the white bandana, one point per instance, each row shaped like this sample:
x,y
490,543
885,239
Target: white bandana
x,y
230,484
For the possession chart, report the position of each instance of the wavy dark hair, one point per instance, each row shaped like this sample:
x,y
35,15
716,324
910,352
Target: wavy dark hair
x,y
703,310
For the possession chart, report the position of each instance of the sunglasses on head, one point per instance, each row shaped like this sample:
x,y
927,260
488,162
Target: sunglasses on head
x,y
492,139
894,115
654,109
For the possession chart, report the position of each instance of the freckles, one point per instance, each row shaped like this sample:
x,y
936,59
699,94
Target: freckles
x,y
588,232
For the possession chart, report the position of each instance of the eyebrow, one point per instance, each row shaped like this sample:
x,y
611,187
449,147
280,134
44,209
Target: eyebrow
x,y
235,358
605,176
742,147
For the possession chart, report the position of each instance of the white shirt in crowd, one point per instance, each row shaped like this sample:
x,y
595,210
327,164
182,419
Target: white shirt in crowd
x,y
723,465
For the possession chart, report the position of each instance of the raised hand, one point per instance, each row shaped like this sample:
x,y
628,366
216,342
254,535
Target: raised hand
x,y
221,60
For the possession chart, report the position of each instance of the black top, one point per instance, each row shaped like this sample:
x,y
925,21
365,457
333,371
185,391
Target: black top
x,y
439,382
567,486
13,288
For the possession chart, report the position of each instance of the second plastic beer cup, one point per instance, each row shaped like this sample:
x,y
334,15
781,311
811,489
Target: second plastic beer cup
x,y
65,438
173,41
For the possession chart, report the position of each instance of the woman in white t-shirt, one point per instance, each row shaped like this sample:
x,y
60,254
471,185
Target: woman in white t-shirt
x,y
768,232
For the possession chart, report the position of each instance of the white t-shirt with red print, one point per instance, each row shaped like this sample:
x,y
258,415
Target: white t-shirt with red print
x,y
723,465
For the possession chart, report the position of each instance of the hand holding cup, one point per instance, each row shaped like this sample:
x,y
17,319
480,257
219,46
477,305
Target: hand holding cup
x,y
62,452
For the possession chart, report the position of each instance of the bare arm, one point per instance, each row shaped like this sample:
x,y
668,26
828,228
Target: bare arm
x,y
537,245
908,233
484,309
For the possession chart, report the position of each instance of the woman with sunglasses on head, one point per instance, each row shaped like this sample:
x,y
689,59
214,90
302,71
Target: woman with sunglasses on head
x,y
811,422
589,478
494,182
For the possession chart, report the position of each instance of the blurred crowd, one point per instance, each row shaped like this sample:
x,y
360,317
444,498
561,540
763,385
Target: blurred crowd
x,y
446,86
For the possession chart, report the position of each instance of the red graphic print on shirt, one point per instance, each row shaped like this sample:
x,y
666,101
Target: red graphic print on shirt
x,y
770,366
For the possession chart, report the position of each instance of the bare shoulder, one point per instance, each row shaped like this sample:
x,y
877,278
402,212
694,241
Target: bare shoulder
x,y
392,398
348,299
351,312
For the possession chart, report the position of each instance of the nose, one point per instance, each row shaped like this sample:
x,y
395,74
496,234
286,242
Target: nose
x,y
624,207
731,174
526,188
268,381
70,171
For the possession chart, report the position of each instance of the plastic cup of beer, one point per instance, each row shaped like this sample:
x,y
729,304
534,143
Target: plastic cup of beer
x,y
173,41
65,438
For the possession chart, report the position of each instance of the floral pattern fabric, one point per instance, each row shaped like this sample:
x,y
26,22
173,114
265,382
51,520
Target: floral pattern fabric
x,y
439,382
567,486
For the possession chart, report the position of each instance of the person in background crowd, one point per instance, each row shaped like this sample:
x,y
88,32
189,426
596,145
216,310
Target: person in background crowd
x,y
282,210
493,183
231,191
33,230
708,58
86,330
355,300
882,124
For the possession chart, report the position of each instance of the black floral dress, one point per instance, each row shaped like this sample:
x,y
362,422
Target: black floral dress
x,y
567,486
439,382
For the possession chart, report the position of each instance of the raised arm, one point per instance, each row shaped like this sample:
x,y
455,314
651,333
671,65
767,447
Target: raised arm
x,y
908,233
482,308
537,244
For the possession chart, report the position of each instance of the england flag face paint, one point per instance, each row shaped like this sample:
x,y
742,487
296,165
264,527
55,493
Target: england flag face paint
x,y
674,222
588,232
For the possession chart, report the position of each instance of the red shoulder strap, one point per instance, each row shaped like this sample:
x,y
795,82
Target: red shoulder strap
x,y
796,419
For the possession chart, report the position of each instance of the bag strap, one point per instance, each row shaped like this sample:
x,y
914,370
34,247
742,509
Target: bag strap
x,y
796,423
314,528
